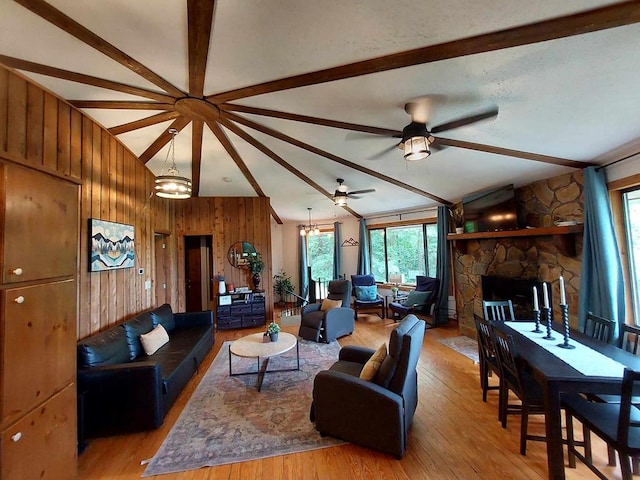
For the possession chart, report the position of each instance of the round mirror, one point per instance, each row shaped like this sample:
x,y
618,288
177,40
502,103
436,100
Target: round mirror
x,y
239,254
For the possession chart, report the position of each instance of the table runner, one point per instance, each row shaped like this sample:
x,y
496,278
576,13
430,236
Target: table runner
x,y
584,359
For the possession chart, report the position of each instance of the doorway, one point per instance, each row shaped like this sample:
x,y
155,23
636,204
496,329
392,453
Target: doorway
x,y
198,265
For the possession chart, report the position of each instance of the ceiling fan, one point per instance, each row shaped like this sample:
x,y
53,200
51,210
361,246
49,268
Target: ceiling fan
x,y
418,140
342,193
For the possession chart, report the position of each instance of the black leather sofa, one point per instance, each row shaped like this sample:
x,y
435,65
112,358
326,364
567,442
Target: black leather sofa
x,y
120,388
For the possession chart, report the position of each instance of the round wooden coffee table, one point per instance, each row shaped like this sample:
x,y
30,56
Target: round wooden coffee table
x,y
252,346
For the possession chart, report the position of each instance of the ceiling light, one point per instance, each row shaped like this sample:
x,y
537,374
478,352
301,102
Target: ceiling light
x,y
309,229
415,141
340,198
170,184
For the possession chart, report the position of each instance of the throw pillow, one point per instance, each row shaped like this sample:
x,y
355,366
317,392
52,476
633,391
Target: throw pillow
x,y
373,364
416,298
153,340
328,304
367,294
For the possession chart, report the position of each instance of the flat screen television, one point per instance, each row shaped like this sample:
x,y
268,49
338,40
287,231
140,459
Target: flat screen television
x,y
490,210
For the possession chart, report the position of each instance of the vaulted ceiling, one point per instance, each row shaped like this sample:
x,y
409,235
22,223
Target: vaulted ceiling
x,y
280,98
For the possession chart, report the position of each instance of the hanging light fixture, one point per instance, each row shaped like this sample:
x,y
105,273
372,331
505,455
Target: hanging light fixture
x,y
309,229
170,184
415,141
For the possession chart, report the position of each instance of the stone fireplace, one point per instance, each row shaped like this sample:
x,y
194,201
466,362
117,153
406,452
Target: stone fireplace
x,y
518,290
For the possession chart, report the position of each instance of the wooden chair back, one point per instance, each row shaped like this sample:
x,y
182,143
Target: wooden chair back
x,y
498,310
506,355
599,328
630,338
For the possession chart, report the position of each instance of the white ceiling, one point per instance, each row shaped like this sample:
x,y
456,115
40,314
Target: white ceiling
x,y
575,98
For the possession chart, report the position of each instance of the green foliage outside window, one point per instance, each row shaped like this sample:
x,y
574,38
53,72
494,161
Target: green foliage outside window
x,y
320,255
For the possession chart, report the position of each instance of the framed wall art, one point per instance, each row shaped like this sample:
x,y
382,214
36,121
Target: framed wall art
x,y
111,245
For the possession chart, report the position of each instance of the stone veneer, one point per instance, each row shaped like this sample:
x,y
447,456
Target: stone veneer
x,y
536,257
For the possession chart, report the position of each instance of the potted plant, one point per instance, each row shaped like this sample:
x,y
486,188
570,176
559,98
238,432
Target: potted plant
x,y
457,214
282,284
272,330
255,265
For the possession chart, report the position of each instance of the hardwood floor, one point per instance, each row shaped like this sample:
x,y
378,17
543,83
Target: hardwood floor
x,y
454,434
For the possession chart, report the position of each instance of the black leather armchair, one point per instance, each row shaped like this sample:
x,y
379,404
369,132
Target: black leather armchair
x,y
378,413
327,325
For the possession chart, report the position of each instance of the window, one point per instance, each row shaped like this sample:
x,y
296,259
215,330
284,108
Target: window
x,y
320,255
409,250
631,207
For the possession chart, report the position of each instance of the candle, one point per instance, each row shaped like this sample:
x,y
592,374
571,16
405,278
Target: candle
x,y
545,295
563,299
535,299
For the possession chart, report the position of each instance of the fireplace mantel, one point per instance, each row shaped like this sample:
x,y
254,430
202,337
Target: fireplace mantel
x,y
565,236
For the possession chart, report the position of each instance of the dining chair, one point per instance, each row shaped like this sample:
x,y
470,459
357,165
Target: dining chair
x,y
525,387
599,327
488,362
617,424
498,310
629,338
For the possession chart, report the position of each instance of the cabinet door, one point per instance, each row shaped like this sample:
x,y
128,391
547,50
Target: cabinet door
x,y
42,444
40,235
38,345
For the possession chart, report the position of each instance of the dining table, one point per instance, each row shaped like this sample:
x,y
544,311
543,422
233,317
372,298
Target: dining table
x,y
597,368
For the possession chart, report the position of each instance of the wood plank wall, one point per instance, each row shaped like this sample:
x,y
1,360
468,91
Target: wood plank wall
x,y
39,130
228,220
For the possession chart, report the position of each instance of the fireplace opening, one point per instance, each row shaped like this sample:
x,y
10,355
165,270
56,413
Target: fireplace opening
x,y
518,290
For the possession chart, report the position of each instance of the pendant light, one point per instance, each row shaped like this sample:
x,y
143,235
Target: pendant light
x,y
170,184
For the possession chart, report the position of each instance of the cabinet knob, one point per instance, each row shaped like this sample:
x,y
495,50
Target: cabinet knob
x,y
16,436
19,299
17,271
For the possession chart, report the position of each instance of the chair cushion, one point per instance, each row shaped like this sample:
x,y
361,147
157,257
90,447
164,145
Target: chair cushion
x,y
416,298
135,327
367,294
153,340
372,366
386,372
328,304
163,316
105,348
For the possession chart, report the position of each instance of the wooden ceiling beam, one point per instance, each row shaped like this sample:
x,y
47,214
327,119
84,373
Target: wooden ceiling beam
x,y
280,161
27,66
310,148
143,122
512,153
179,123
611,16
230,107
233,153
121,105
275,215
75,29
197,129
200,14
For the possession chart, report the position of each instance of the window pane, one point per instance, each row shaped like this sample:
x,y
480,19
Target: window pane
x,y
405,252
320,255
376,251
632,220
432,249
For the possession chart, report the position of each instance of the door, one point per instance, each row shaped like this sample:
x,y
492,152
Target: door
x,y
198,266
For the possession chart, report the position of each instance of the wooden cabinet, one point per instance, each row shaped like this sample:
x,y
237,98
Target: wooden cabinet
x,y
38,321
241,313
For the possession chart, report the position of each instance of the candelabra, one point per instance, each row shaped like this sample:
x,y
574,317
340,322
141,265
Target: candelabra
x,y
536,316
565,324
547,317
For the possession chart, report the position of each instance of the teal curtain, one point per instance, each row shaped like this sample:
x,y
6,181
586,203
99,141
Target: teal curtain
x,y
303,267
443,268
601,281
364,267
337,250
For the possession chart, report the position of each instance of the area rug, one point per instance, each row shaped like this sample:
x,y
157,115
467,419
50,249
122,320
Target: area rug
x,y
227,420
464,345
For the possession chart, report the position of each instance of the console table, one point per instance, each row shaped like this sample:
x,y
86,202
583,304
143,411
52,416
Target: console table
x,y
242,311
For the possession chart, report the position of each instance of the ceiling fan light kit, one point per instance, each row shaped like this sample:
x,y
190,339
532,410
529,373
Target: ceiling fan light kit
x,y
171,184
415,141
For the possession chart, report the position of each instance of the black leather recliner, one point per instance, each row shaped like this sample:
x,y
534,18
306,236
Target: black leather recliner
x,y
378,413
319,325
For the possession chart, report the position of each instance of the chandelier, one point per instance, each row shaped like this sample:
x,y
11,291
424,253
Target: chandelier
x,y
309,229
170,184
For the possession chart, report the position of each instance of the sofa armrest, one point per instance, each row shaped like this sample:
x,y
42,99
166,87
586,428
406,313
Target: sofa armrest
x,y
121,398
190,319
355,353
311,307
